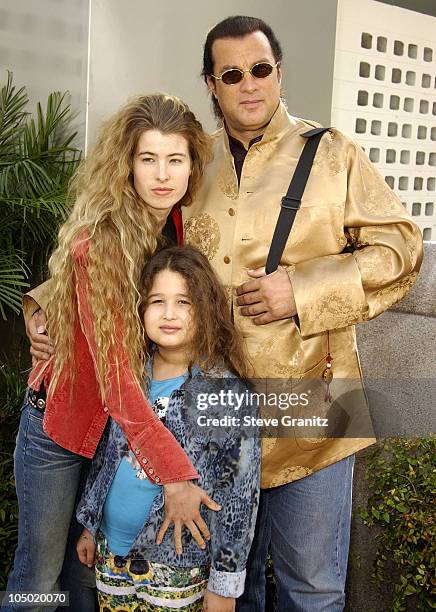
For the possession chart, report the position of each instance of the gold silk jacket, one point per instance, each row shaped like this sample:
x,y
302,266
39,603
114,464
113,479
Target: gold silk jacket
x,y
345,200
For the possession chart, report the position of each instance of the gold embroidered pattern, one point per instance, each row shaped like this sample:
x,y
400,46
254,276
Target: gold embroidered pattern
x,y
335,154
258,156
229,294
337,311
411,247
390,295
203,232
267,366
267,445
362,235
376,265
226,179
378,198
290,474
331,155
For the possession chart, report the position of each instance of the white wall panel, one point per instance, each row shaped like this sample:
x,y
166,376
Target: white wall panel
x,y
45,44
384,96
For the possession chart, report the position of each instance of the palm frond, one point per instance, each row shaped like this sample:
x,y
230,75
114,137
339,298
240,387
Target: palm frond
x,y
12,281
37,161
12,114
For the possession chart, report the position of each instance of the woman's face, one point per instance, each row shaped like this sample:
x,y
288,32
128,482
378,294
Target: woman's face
x,y
161,170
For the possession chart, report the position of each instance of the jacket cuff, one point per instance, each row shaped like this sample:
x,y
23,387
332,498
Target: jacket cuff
x,y
226,584
328,293
38,297
161,457
290,271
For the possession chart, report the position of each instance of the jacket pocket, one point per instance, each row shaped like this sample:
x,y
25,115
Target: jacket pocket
x,y
312,410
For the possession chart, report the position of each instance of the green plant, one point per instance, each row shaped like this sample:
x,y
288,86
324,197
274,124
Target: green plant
x,y
12,387
401,474
37,160
271,585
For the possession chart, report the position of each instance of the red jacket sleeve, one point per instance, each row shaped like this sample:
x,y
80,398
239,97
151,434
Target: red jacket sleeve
x,y
156,449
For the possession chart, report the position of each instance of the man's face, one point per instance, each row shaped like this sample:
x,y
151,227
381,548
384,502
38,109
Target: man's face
x,y
249,105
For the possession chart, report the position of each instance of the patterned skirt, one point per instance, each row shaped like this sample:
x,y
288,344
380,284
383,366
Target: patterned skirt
x,y
136,585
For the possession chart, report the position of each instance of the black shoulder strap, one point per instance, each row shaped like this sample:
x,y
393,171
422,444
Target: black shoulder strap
x,y
292,200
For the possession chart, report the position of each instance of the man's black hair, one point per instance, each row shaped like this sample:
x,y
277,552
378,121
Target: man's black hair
x,y
236,27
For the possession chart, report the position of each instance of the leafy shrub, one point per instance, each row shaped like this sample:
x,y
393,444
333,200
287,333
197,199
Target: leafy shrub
x,y
12,387
271,585
401,475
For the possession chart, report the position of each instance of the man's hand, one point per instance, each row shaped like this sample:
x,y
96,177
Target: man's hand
x,y
182,507
216,603
41,346
267,298
86,548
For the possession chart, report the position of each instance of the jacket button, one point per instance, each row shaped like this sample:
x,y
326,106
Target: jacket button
x,y
105,409
227,259
144,461
157,479
137,451
232,212
151,471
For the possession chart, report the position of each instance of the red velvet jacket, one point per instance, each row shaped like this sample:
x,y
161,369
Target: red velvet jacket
x,y
75,416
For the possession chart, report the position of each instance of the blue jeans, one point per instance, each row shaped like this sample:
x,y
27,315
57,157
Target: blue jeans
x,y
47,480
306,525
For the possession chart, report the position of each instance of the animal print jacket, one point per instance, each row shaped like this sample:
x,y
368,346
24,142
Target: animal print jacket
x,y
227,459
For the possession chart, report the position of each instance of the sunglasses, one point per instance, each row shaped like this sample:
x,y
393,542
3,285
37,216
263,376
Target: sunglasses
x,y
235,75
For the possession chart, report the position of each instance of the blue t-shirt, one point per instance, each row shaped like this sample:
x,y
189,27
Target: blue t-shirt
x,y
131,495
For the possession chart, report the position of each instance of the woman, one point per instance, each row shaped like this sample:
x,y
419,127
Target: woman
x,y
149,157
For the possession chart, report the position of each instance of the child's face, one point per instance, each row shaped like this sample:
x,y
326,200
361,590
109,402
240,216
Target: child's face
x,y
168,313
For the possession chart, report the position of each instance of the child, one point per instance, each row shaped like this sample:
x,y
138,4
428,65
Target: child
x,y
189,333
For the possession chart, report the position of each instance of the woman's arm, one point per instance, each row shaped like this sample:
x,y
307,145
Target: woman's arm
x,y
156,449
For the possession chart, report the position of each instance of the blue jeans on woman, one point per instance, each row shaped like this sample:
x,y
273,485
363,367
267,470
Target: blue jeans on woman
x,y
306,525
47,481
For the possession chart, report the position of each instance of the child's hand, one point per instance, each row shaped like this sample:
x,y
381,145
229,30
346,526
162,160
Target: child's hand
x,y
216,603
86,548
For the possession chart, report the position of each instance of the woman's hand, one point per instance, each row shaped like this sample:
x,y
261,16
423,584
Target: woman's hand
x,y
217,603
182,507
41,346
86,548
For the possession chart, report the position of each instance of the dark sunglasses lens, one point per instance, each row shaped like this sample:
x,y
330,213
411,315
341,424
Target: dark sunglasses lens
x,y
231,77
260,71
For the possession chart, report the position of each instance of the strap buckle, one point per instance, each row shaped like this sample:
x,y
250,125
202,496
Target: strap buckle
x,y
286,203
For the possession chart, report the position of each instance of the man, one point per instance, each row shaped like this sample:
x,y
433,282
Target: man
x,y
294,317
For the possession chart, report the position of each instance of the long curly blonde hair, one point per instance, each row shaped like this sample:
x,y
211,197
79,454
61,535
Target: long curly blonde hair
x,y
121,231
